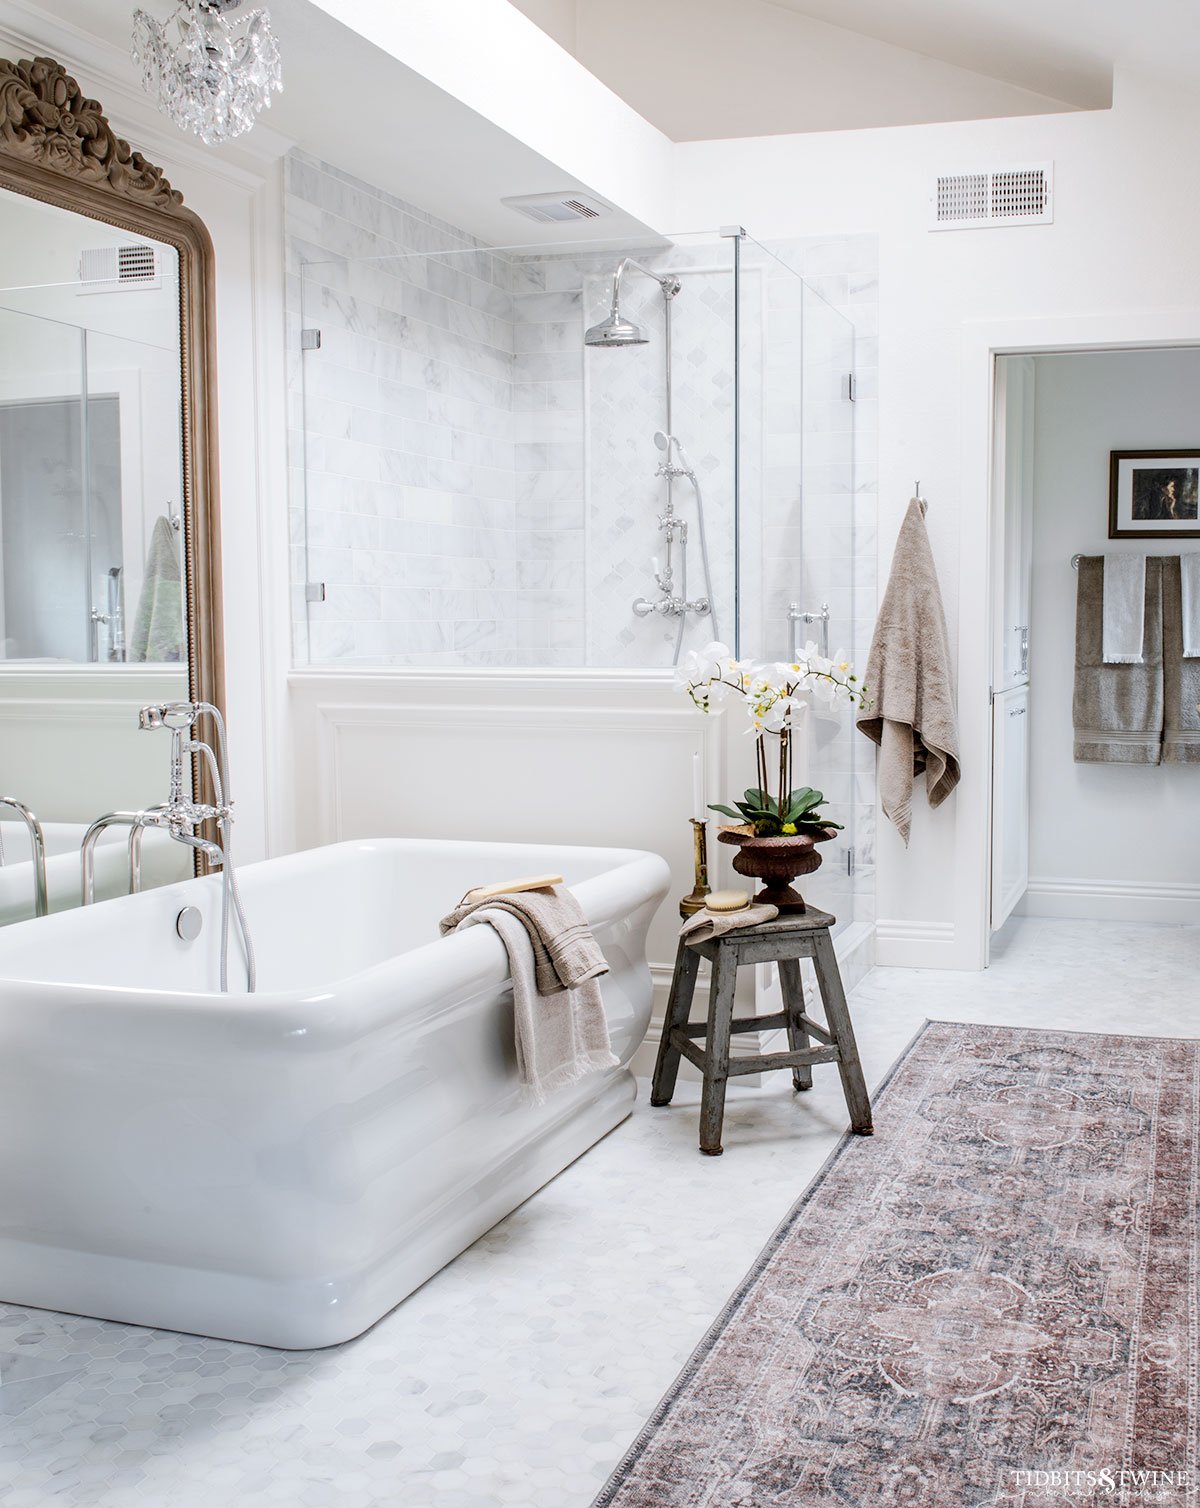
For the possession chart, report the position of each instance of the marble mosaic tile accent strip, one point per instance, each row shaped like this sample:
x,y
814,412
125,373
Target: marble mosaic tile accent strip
x,y
997,1287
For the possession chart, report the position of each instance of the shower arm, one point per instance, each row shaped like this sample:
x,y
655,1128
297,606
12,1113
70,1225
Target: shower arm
x,y
668,282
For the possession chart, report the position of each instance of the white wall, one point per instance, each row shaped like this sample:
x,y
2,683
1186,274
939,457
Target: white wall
x,y
1121,252
1087,405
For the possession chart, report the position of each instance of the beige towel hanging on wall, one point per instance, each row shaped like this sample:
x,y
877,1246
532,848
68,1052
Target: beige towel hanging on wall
x,y
911,714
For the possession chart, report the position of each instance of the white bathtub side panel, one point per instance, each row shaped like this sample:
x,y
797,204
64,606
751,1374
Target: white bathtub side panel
x,y
286,1173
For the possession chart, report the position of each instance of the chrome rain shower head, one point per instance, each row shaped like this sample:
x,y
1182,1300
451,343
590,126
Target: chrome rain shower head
x,y
617,331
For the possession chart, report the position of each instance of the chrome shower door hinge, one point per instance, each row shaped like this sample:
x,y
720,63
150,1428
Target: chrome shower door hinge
x,y
310,339
314,591
850,387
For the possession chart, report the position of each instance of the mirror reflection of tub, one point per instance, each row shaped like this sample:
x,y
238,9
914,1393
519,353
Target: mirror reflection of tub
x,y
283,1168
163,863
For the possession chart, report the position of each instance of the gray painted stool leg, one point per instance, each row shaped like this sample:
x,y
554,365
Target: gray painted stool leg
x,y
716,1063
837,1015
791,986
679,1005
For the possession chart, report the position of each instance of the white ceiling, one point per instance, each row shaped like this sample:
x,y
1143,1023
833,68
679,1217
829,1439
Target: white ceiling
x,y
700,69
358,108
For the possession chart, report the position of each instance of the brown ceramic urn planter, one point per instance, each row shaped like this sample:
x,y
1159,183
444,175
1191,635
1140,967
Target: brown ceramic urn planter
x,y
777,861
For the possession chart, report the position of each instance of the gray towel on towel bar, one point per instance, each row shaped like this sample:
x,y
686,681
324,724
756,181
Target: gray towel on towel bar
x,y
1118,709
1181,674
908,680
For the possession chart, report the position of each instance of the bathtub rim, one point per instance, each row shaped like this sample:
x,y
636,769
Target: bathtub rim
x,y
474,958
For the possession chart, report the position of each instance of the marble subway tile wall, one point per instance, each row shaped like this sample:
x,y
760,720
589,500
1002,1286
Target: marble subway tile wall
x,y
625,404
474,487
402,428
548,399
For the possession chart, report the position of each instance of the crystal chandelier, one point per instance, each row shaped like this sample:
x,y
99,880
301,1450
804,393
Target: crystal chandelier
x,y
210,71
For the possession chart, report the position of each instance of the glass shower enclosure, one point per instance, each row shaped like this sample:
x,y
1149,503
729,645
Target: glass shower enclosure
x,y
588,458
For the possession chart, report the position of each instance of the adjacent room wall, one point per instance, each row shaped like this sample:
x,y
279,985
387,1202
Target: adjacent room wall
x,y
1109,253
1079,862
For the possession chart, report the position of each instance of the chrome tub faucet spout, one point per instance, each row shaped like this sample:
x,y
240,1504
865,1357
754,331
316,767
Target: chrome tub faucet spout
x,y
182,815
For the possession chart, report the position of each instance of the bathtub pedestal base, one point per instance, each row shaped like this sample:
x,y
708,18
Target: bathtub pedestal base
x,y
301,1316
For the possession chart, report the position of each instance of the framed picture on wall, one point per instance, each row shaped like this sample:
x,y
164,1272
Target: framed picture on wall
x,y
1154,494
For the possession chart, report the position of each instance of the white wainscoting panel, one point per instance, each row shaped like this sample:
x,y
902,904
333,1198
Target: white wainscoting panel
x,y
70,746
535,756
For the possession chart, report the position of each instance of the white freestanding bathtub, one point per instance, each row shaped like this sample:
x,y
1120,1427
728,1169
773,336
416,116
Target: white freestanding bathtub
x,y
284,1168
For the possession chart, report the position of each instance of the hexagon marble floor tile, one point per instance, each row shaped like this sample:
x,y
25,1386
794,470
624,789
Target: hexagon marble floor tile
x,y
520,1373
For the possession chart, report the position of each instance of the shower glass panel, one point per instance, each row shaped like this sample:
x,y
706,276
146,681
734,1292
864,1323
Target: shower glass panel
x,y
597,456
84,478
797,518
499,462
43,543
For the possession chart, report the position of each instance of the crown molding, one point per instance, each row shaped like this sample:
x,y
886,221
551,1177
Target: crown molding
x,y
106,70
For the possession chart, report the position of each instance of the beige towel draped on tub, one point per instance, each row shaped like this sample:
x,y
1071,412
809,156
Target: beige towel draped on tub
x,y
560,1029
911,698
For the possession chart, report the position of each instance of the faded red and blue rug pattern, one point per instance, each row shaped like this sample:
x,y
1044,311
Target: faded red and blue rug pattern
x,y
992,1303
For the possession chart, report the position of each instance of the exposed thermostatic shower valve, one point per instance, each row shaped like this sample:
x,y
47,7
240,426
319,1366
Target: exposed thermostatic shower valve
x,y
671,607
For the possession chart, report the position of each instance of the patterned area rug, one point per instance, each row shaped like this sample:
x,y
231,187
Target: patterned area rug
x,y
992,1303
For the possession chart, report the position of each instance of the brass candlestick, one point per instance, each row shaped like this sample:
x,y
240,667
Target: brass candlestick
x,y
690,904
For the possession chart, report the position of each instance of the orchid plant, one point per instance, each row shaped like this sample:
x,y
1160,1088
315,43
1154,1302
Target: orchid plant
x,y
775,697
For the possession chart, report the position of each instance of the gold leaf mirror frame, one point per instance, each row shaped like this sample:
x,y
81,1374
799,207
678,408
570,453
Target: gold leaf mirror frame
x,y
56,145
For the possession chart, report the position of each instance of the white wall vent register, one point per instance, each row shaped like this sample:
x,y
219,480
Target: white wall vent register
x,y
103,268
1022,195
547,208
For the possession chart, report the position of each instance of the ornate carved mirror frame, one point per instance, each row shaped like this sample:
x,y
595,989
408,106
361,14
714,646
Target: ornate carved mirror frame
x,y
56,145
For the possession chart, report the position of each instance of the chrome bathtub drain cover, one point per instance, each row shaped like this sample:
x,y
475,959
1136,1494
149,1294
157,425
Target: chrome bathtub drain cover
x,y
189,922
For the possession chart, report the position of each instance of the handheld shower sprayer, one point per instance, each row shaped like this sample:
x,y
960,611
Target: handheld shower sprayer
x,y
666,443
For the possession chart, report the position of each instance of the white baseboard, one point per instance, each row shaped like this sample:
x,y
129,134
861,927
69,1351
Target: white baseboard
x,y
1112,900
915,945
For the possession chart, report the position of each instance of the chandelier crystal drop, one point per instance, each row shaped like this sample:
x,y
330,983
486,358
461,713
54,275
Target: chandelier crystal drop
x,y
209,70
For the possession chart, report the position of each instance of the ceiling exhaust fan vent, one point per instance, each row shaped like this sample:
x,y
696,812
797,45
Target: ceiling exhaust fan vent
x,y
1021,195
105,268
549,209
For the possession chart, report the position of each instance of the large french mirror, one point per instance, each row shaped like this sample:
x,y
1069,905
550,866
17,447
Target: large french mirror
x,y
109,598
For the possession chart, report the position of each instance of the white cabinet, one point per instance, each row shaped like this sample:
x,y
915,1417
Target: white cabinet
x,y
1010,801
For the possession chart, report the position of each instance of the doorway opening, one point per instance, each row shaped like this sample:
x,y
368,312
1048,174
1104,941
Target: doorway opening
x,y
1094,830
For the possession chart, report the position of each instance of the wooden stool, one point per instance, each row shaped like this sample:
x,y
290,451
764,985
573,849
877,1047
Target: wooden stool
x,y
783,942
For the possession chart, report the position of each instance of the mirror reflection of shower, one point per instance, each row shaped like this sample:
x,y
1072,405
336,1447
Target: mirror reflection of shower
x,y
672,600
